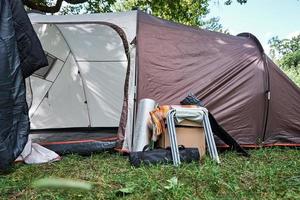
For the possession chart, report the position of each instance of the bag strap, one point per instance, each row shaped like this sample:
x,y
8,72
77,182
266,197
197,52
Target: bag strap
x,y
146,147
180,147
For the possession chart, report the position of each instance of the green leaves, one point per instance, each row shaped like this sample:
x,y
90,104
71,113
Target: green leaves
x,y
173,182
228,2
128,189
287,51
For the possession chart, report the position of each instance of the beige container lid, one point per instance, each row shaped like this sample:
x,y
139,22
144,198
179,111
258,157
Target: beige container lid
x,y
189,123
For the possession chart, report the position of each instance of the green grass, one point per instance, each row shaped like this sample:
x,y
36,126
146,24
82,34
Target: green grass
x,y
268,174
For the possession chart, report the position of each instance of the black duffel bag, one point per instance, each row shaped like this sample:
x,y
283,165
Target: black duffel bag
x,y
162,156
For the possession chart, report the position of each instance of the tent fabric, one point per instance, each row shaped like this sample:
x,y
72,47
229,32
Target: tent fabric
x,y
229,73
14,121
81,75
125,20
92,52
36,154
99,53
283,124
81,141
110,61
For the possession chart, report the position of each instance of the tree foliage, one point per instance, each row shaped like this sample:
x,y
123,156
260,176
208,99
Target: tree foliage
x,y
189,12
52,6
49,6
287,51
228,2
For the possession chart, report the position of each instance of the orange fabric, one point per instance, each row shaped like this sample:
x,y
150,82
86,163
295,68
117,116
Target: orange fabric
x,y
158,117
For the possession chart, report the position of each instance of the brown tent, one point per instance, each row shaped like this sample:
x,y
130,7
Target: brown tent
x,y
94,56
248,94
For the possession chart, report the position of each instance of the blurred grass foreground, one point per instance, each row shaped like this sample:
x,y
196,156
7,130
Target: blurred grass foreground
x,y
270,173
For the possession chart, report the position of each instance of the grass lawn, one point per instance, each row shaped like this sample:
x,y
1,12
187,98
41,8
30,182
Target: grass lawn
x,y
271,173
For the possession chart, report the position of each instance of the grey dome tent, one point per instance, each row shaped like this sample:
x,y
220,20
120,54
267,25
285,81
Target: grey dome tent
x,y
101,65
